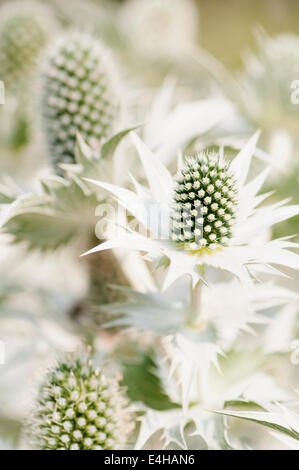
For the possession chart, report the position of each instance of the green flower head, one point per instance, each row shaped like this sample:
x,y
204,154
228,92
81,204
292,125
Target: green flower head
x,y
78,408
78,93
204,203
24,30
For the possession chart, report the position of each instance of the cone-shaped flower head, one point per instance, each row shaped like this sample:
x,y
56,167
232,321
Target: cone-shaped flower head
x,y
24,30
270,82
79,409
79,93
205,202
207,216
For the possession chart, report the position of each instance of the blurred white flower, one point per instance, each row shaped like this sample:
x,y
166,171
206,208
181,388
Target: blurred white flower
x,y
208,431
160,27
193,342
268,80
170,126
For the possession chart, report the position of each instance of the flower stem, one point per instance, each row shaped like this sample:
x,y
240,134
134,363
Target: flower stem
x,y
195,303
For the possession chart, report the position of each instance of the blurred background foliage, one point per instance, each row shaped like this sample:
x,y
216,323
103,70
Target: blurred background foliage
x,y
226,27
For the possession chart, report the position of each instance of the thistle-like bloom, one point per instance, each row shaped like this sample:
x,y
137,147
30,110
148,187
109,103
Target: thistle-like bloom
x,y
207,216
24,30
79,93
226,316
78,408
195,340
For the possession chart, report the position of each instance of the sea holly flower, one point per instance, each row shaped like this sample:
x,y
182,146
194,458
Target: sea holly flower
x,y
198,426
264,93
266,89
79,92
204,203
269,82
228,316
78,408
62,212
25,28
194,342
159,28
207,215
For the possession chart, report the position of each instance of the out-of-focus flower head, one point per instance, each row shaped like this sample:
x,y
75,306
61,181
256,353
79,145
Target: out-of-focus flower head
x,y
79,92
78,408
160,28
195,336
270,81
25,27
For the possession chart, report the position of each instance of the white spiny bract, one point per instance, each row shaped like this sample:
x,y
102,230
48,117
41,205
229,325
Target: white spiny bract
x,y
193,344
80,409
24,30
268,81
79,93
205,204
243,252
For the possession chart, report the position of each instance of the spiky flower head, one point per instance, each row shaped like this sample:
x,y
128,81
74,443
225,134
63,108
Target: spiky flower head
x,y
79,93
269,81
241,251
24,30
78,408
204,203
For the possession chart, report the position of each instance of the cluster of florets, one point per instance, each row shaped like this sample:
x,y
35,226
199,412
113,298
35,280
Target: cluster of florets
x,y
80,409
24,30
79,93
204,203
